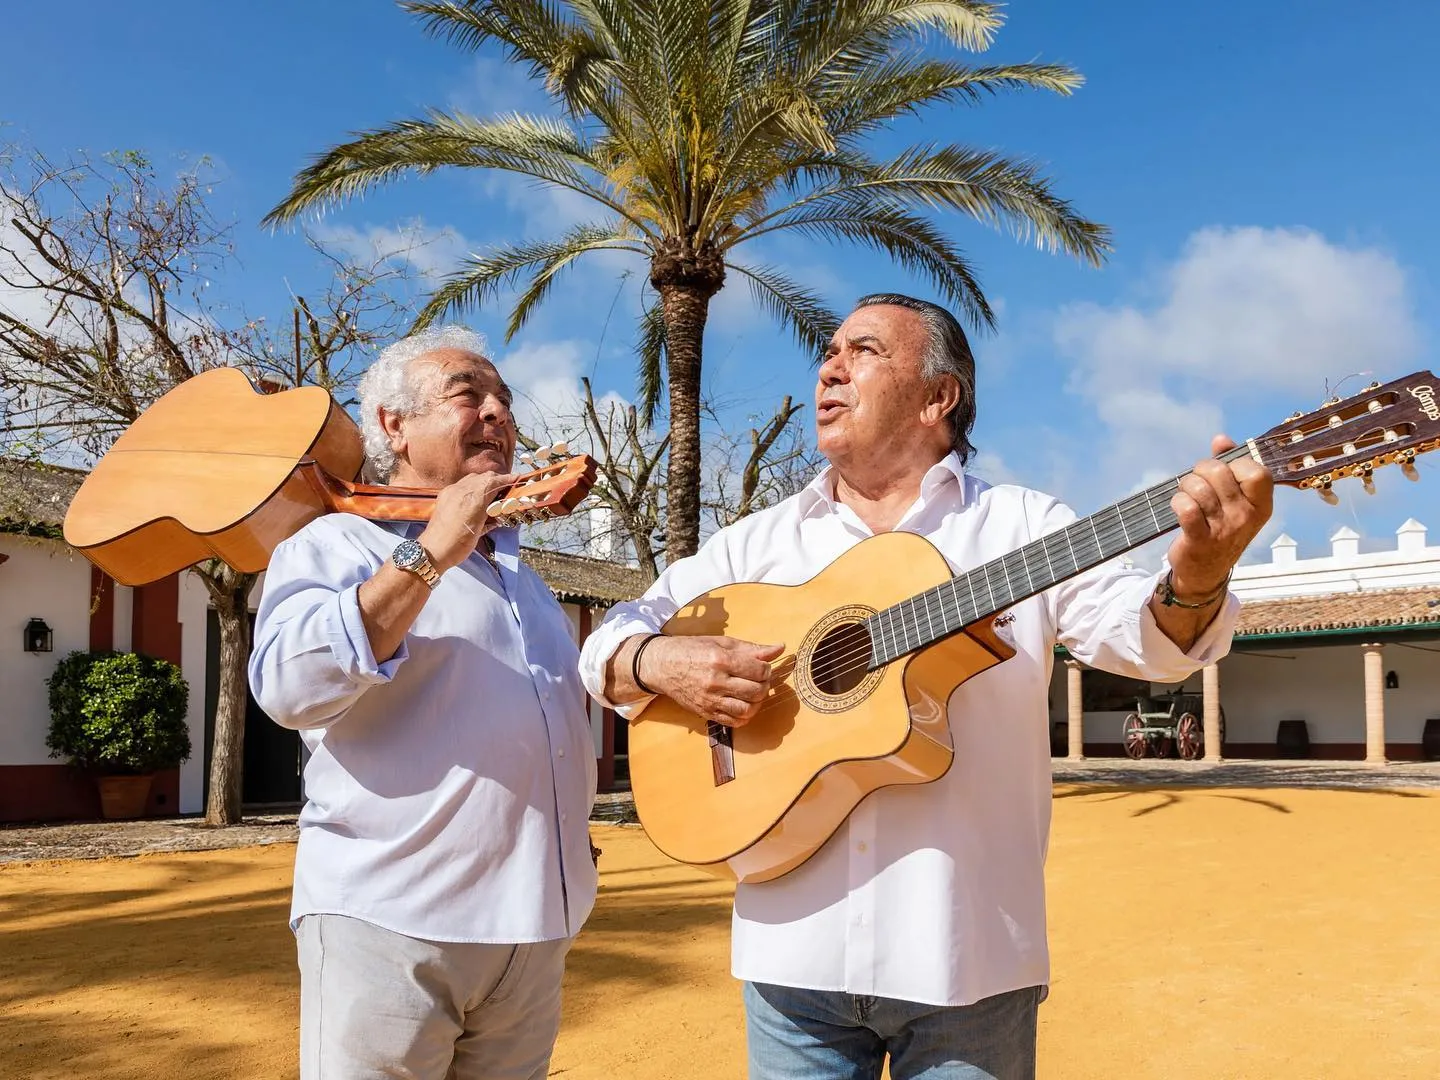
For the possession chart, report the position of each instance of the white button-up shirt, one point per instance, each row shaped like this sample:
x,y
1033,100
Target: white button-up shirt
x,y
449,788
933,893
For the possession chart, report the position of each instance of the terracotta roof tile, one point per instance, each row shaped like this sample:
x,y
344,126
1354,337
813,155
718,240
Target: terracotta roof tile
x,y
34,497
576,577
1341,611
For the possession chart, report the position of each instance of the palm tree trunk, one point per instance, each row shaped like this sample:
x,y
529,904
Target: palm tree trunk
x,y
686,280
230,593
685,314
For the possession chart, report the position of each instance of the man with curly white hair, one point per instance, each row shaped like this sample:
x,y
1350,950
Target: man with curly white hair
x,y
444,864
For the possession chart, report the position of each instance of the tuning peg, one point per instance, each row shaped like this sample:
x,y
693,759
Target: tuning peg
x,y
1366,472
561,449
527,458
542,454
1329,496
1409,470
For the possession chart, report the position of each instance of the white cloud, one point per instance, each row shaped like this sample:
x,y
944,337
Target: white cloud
x,y
432,251
545,379
1243,313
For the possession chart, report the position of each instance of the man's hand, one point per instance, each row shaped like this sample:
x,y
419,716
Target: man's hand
x,y
716,678
460,519
1221,508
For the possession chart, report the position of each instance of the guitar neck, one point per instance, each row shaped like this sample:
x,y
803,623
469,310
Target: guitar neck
x,y
379,502
1002,583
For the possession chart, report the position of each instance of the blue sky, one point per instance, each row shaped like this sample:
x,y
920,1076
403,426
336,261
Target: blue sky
x,y
1266,170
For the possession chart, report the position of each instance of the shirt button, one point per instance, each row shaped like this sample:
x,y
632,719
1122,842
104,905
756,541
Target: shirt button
x,y
564,817
860,846
560,752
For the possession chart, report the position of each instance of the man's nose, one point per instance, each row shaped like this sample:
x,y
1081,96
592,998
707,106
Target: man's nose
x,y
494,411
832,369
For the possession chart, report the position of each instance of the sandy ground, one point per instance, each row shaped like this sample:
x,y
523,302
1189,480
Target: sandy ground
x,y
1196,933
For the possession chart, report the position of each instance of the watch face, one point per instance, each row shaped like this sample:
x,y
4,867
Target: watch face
x,y
408,555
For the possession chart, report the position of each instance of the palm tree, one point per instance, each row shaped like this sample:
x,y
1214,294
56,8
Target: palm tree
x,y
696,126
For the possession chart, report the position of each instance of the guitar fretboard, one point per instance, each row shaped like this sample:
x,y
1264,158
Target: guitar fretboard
x,y
1002,583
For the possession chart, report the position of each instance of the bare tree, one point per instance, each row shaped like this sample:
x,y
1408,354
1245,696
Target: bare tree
x,y
769,464
106,304
764,467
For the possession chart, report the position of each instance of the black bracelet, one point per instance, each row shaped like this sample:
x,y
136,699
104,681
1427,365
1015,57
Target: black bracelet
x,y
1166,589
635,665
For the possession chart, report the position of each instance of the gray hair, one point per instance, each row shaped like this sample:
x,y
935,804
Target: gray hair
x,y
387,383
946,353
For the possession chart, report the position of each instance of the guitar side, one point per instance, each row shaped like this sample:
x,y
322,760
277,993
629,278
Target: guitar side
x,y
804,763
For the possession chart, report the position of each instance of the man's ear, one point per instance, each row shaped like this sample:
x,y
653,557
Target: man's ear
x,y
393,424
944,399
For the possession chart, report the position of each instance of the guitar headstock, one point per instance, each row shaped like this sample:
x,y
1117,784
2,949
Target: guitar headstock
x,y
556,485
1381,425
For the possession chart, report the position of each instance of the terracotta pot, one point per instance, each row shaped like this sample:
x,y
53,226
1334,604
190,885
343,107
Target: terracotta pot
x,y
124,797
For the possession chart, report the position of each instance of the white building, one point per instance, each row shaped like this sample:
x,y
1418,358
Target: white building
x,y
1342,649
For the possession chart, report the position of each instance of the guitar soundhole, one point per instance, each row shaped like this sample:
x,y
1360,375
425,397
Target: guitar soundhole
x,y
838,664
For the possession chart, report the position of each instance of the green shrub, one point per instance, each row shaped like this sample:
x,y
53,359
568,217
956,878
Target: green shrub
x,y
118,712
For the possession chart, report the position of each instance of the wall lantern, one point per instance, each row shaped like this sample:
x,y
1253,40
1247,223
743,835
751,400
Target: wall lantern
x,y
38,636
1392,681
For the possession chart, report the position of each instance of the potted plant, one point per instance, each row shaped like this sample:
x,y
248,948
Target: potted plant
x,y
120,717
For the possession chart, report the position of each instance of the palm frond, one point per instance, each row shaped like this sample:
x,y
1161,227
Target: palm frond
x,y
804,313
866,99
650,369
979,183
912,241
531,146
479,279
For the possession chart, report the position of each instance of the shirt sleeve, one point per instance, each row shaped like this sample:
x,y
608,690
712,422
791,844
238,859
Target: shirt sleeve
x,y
1103,618
311,658
709,568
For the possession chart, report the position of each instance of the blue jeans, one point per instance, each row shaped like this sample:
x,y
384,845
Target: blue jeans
x,y
823,1035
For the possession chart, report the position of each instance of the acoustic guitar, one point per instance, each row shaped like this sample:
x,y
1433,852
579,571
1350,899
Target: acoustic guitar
x,y
881,638
215,469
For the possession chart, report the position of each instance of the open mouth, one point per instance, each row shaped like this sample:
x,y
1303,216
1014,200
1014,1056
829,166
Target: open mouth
x,y
491,445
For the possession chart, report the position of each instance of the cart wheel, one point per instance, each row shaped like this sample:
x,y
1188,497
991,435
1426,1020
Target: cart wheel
x,y
1134,738
1190,736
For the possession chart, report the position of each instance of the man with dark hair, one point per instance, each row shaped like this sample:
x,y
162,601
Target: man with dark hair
x,y
917,931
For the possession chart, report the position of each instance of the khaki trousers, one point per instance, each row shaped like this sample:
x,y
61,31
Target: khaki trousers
x,y
374,1003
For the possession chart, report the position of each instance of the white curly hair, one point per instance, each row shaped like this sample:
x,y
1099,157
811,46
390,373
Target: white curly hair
x,y
387,382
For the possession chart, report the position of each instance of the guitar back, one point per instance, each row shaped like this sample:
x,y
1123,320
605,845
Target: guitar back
x,y
210,470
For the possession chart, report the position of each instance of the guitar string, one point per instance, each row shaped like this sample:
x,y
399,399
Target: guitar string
x,y
845,659
838,662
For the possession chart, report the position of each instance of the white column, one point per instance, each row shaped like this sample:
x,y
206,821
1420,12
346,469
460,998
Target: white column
x,y
1211,691
1076,726
1374,703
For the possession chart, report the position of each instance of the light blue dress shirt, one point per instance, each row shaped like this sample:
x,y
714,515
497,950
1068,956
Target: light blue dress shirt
x,y
448,788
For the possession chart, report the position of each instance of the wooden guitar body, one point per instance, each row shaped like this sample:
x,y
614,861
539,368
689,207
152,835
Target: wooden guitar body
x,y
828,734
209,471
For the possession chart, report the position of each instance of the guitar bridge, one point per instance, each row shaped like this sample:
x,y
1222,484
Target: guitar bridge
x,y
722,753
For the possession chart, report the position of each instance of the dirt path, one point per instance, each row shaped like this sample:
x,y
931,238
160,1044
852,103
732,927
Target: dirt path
x,y
1197,933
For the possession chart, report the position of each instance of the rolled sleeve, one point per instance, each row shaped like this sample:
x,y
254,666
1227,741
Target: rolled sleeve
x,y
681,582
312,657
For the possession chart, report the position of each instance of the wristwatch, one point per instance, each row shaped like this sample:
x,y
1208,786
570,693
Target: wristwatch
x,y
410,556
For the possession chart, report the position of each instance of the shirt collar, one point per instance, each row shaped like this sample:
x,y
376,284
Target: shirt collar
x,y
820,492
